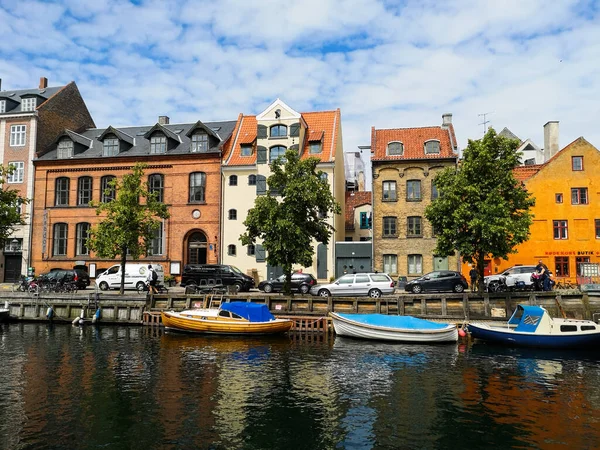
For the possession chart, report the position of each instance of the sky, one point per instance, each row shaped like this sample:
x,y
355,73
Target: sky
x,y
384,63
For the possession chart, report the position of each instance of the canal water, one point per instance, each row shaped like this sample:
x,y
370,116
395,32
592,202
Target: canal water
x,y
65,387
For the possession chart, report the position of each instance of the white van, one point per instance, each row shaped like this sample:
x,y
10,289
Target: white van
x,y
135,276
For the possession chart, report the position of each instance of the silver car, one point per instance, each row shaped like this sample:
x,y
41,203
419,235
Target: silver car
x,y
511,276
351,285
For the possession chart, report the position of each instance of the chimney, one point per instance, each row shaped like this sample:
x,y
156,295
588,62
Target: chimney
x,y
550,139
163,120
446,120
43,82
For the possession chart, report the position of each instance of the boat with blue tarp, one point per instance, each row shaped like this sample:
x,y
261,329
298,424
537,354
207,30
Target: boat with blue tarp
x,y
532,326
393,328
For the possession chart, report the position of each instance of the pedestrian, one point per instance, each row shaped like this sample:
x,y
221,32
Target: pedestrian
x,y
542,270
151,280
474,275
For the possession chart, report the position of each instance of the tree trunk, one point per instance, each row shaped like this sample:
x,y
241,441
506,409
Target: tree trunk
x,y
480,268
123,262
287,284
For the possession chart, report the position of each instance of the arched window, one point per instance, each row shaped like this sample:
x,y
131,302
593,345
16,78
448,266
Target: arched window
x,y
84,191
231,250
107,190
61,192
233,214
156,184
251,180
60,239
82,229
432,147
395,149
110,146
197,186
232,180
276,152
278,131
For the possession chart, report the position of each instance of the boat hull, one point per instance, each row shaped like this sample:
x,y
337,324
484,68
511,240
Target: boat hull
x,y
345,326
177,322
4,314
507,336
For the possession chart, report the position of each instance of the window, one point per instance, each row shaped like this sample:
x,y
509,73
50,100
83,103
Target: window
x,y
432,147
2,106
246,150
197,186
560,229
60,239
315,147
434,191
278,131
413,190
390,263
233,214
199,142
579,264
158,143
156,244
110,146
579,196
415,264
251,180
17,135
364,221
395,149
107,189
82,229
64,149
233,180
577,163
231,251
61,192
561,264
389,191
558,197
17,175
156,184
389,227
414,227
347,238
84,191
597,221
251,250
28,104
276,152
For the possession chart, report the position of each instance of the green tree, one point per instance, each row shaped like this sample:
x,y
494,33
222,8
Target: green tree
x,y
10,205
129,224
482,209
293,214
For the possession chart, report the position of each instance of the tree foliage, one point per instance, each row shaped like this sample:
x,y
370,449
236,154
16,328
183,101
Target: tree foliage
x,y
293,214
128,224
482,209
10,205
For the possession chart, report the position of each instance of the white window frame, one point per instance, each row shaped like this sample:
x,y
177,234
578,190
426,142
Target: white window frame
x,y
82,231
2,106
17,175
390,263
64,149
28,104
18,135
157,245
415,264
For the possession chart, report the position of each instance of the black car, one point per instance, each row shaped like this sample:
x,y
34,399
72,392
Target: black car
x,y
80,276
300,282
440,280
207,275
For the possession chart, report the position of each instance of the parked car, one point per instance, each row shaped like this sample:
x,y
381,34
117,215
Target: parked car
x,y
214,275
300,282
81,277
511,277
372,284
440,280
135,276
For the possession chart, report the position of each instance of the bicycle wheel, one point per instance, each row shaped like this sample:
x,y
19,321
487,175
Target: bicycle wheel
x,y
142,288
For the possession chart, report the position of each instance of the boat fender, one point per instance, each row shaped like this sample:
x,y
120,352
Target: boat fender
x,y
50,313
96,316
462,332
76,321
6,304
82,315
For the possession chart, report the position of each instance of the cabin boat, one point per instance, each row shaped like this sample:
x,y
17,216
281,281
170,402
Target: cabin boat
x,y
393,328
532,326
241,318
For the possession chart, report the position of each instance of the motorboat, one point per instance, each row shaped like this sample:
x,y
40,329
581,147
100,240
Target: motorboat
x,y
393,328
532,326
242,318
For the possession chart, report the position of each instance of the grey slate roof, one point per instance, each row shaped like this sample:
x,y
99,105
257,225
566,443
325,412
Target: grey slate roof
x,y
141,145
13,104
508,134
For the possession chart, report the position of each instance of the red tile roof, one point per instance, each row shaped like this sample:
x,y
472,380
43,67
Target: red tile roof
x,y
523,173
414,142
354,199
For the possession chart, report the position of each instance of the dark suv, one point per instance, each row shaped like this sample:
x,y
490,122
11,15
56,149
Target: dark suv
x,y
300,282
216,275
440,280
81,277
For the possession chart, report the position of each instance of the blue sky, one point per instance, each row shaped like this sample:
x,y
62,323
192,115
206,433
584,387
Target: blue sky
x,y
385,63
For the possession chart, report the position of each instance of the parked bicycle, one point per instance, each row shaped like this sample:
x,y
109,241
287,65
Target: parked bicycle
x,y
566,284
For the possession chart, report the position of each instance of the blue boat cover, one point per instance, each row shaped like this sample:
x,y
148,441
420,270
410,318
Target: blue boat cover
x,y
527,318
254,312
401,322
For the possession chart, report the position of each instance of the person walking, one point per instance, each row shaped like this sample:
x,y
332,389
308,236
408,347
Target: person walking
x,y
542,270
151,280
474,275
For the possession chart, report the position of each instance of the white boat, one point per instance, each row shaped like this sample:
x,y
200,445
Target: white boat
x,y
393,328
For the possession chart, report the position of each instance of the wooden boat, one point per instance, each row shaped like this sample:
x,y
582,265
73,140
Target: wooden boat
x,y
393,328
532,326
230,318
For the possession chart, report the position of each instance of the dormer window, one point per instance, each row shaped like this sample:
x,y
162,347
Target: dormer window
x,y
432,147
28,104
395,149
2,106
64,149
315,147
158,143
199,142
110,146
278,131
246,150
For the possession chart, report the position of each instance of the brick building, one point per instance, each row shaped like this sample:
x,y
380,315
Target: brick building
x,y
404,163
29,120
184,166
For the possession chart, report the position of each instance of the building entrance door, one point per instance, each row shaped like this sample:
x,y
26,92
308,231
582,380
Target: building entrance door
x,y
440,263
197,248
12,268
